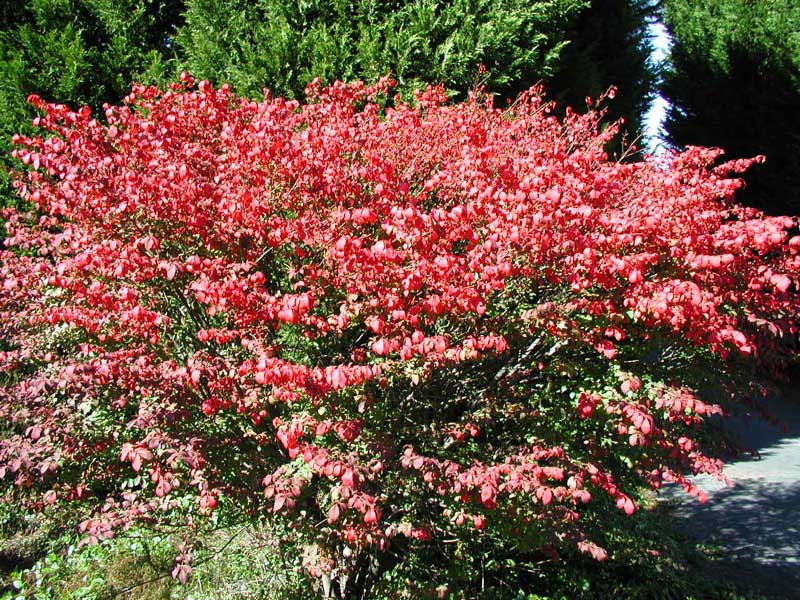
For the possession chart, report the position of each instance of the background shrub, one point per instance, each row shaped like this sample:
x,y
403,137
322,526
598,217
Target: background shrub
x,y
733,81
283,46
609,45
78,52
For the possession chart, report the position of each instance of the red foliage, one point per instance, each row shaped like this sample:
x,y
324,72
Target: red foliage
x,y
364,309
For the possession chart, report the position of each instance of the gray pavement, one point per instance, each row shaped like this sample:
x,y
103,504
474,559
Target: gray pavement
x,y
754,525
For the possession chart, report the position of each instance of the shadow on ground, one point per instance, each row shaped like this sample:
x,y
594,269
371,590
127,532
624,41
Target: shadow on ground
x,y
752,529
753,532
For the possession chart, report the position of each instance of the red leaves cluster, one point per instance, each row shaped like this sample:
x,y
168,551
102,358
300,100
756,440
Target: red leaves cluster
x,y
222,292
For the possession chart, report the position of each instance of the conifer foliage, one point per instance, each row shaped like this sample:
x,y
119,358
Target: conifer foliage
x,y
78,52
734,82
284,45
609,44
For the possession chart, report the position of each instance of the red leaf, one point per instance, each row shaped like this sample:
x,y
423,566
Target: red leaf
x,y
333,514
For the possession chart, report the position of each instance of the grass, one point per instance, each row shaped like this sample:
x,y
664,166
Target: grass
x,y
247,562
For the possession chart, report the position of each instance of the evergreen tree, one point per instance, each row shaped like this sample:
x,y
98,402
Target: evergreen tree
x,y
284,45
77,52
12,12
733,81
609,45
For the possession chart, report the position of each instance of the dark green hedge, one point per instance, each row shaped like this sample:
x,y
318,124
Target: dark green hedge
x,y
734,82
78,52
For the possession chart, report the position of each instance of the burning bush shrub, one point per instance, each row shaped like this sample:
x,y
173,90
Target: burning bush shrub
x,y
399,328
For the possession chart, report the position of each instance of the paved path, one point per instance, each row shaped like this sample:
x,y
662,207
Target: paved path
x,y
756,523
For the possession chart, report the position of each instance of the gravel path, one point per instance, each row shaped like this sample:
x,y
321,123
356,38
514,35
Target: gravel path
x,y
756,523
